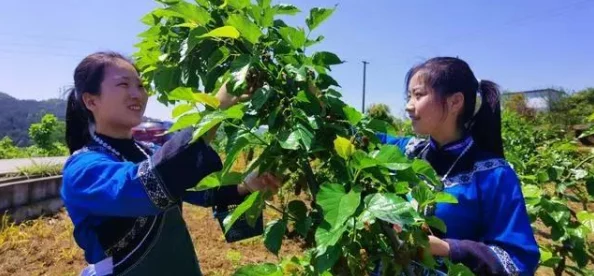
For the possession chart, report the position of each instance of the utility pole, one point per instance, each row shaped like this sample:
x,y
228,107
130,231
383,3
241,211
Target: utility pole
x,y
364,75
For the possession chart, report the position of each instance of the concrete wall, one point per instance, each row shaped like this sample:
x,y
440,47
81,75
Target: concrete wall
x,y
30,198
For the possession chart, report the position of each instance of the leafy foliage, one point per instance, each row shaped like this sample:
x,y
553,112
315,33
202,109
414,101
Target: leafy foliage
x,y
187,55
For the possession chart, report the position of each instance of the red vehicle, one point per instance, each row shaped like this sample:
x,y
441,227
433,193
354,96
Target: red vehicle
x,y
152,132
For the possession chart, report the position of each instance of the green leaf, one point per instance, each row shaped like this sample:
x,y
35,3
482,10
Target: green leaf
x,y
253,202
382,127
260,97
336,204
238,4
326,59
181,109
225,31
352,114
424,168
295,37
290,142
317,16
531,191
248,29
239,70
209,121
235,112
401,188
217,58
325,236
287,9
273,235
586,219
207,99
305,136
361,161
209,182
266,269
391,208
423,195
184,121
436,223
297,208
238,145
344,147
327,260
181,93
189,12
443,197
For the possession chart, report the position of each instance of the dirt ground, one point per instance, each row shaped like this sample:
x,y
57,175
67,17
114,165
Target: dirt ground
x,y
45,246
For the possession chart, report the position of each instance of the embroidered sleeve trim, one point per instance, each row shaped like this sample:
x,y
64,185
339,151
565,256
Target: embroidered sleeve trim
x,y
478,167
411,146
506,261
153,185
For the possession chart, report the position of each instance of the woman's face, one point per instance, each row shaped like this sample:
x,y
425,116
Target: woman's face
x,y
429,114
424,107
122,100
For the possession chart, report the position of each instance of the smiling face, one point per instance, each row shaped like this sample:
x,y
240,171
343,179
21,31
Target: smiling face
x,y
122,98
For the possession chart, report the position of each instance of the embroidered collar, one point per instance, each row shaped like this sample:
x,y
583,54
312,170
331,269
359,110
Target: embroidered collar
x,y
455,147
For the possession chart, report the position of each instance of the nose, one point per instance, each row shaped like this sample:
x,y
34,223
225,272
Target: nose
x,y
410,108
137,92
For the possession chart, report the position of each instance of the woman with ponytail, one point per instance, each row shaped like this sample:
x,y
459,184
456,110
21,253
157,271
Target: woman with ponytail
x,y
123,197
488,230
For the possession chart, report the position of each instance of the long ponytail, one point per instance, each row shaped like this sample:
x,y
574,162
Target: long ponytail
x,y
485,127
88,76
77,123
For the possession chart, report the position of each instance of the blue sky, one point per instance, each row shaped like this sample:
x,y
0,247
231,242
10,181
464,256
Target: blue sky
x,y
521,45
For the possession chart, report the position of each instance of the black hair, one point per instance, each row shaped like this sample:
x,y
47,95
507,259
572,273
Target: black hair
x,y
449,75
88,76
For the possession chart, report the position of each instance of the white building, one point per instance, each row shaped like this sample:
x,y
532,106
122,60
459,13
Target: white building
x,y
539,100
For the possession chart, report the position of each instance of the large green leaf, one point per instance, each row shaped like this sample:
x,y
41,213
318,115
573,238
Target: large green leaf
x,y
286,9
361,161
586,219
424,168
182,93
225,31
181,109
207,122
248,29
295,37
238,144
381,126
184,121
305,136
273,235
189,12
325,236
235,112
239,70
317,16
207,99
238,4
344,147
290,141
337,205
266,269
391,208
327,260
352,114
253,203
326,59
436,223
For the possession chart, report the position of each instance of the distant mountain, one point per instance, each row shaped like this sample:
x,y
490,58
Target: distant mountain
x,y
17,115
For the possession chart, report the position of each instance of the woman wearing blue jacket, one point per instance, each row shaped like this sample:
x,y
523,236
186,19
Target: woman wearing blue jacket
x,y
488,230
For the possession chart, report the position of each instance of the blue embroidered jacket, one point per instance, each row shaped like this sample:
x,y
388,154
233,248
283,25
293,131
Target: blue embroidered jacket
x,y
488,229
115,205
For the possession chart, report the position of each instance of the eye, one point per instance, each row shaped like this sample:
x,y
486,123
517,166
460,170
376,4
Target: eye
x,y
123,84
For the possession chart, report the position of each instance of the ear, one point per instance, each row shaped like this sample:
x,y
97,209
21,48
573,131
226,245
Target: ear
x,y
90,101
456,102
